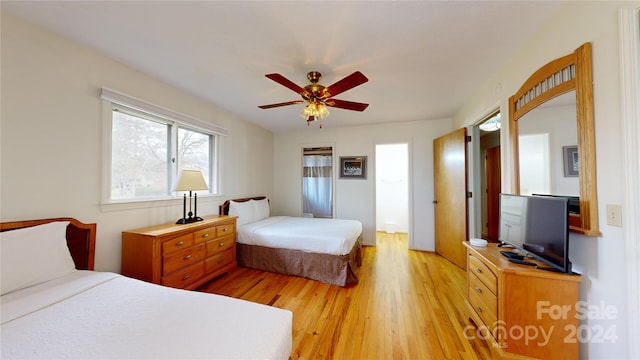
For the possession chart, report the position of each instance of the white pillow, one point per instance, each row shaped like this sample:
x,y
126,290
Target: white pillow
x,y
34,255
260,209
243,210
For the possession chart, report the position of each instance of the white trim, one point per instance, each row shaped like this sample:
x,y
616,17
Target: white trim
x,y
157,110
629,32
106,151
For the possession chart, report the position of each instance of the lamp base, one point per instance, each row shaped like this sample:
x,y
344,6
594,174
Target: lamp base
x,y
189,220
193,217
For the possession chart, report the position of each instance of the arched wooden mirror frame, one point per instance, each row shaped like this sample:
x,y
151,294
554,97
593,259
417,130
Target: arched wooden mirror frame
x,y
570,72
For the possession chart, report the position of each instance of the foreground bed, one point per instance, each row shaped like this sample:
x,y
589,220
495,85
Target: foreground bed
x,y
326,250
50,309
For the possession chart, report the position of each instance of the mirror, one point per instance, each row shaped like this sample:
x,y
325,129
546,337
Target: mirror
x,y
545,135
540,118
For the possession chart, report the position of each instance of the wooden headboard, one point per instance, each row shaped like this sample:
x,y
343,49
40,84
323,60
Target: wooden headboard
x,y
81,238
224,208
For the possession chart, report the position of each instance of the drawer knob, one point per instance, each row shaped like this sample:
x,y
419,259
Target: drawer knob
x,y
478,290
186,277
225,229
221,245
220,261
187,257
478,271
479,309
180,243
205,235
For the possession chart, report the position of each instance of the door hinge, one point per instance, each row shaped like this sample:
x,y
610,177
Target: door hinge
x,y
469,194
467,138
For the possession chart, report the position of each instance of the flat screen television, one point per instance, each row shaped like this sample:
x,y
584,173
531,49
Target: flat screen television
x,y
538,226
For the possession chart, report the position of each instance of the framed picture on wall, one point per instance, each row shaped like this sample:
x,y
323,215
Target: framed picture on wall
x,y
353,167
570,160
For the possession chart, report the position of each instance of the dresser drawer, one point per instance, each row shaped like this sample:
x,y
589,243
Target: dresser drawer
x,y
219,245
218,261
205,234
182,258
226,229
479,269
178,243
483,301
183,277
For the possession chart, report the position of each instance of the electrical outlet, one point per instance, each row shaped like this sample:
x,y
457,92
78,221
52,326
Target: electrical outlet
x,y
614,215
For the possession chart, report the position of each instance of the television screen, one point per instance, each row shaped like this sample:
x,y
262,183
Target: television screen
x,y
538,225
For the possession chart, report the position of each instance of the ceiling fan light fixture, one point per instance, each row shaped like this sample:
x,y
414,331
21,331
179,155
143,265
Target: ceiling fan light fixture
x,y
318,97
314,111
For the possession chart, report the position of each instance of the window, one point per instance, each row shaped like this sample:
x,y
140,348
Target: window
x,y
139,157
149,148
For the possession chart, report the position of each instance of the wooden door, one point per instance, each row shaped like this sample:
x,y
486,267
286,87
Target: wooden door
x,y
494,188
450,190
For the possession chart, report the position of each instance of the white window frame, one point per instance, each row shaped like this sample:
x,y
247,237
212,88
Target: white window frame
x,y
113,100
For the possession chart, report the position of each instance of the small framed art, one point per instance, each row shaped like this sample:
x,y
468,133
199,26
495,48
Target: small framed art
x,y
570,160
353,167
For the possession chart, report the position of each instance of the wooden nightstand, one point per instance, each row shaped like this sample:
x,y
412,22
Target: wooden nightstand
x,y
182,256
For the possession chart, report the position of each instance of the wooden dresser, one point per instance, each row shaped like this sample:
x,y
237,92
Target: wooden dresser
x,y
522,312
182,256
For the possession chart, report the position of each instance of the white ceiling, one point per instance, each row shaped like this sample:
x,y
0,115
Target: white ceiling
x,y
423,58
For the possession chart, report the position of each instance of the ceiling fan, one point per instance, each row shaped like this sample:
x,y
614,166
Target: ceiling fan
x,y
318,97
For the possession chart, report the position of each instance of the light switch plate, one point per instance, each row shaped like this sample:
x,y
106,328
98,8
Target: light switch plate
x,y
614,214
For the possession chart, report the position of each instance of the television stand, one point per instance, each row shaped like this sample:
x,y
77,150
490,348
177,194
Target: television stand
x,y
505,300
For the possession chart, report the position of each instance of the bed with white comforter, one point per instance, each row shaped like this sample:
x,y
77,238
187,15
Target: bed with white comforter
x,y
327,250
327,236
50,310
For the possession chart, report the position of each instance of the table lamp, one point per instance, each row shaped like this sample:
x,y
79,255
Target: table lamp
x,y
190,180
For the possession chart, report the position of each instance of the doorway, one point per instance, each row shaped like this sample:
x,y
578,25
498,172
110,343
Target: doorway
x,y
489,167
392,189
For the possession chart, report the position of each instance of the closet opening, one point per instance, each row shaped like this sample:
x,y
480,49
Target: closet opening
x,y
317,182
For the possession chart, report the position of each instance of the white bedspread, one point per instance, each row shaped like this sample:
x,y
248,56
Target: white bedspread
x,y
89,315
325,236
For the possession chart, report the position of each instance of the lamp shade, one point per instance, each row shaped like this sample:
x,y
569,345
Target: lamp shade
x,y
191,180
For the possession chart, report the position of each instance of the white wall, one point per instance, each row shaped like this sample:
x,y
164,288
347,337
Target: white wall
x,y
601,260
52,132
355,199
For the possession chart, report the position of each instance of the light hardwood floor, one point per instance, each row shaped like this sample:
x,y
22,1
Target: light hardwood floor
x,y
407,305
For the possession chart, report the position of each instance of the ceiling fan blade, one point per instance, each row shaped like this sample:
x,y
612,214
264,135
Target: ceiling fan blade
x,y
281,104
349,82
287,83
343,104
